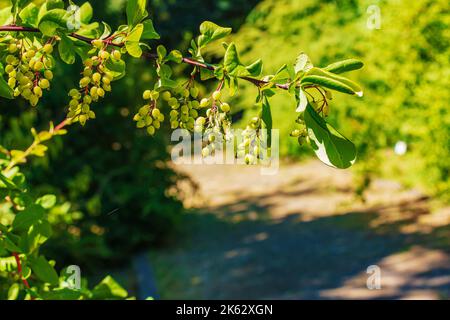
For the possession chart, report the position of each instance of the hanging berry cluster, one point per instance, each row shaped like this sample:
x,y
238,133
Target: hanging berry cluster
x,y
29,65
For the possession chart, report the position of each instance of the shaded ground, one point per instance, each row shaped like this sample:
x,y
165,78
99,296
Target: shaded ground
x,y
301,235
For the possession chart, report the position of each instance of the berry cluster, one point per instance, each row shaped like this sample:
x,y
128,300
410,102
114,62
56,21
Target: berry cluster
x,y
149,115
94,84
301,133
217,121
253,142
184,110
29,68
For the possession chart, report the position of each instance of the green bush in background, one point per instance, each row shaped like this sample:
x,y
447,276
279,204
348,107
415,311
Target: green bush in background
x,y
405,79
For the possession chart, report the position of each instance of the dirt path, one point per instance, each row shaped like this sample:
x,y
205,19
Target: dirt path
x,y
301,235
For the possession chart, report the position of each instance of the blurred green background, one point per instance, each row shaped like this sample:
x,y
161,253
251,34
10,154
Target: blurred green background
x,y
116,182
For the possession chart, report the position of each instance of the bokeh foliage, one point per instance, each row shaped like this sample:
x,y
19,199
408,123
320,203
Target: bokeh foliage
x,y
405,79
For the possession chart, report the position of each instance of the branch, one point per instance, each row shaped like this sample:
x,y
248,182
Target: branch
x,y
189,61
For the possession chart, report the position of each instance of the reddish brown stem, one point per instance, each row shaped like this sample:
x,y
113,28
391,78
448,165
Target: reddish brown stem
x,y
189,61
19,270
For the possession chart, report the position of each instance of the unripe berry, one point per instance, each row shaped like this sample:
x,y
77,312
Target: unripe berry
x,y
88,62
85,82
106,80
155,113
48,74
12,82
104,55
249,159
87,72
48,48
38,66
217,95
155,95
194,92
166,95
73,103
117,55
97,43
205,152
82,119
93,92
73,92
148,120
204,103
147,95
100,92
151,130
44,84
174,124
12,48
225,107
96,77
37,91
173,102
200,121
30,53
9,68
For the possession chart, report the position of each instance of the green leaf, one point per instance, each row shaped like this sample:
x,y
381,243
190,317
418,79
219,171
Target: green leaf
x,y
267,119
232,64
13,291
149,31
66,50
37,235
303,63
5,89
62,294
175,56
132,41
52,21
43,270
109,289
86,12
328,83
344,66
8,183
136,11
6,16
255,69
303,101
11,246
117,67
25,219
47,202
162,52
29,15
331,147
349,83
211,32
8,264
55,4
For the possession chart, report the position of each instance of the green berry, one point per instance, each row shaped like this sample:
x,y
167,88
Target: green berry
x,y
147,95
44,84
48,48
48,74
97,43
96,77
225,107
156,113
204,103
194,92
151,130
217,95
